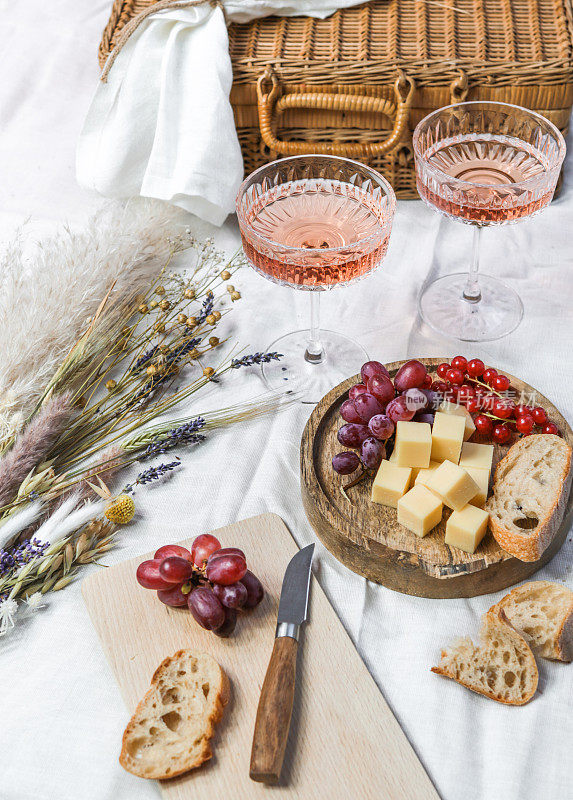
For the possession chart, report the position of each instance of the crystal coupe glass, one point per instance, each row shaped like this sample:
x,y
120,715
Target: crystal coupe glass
x,y
314,222
482,163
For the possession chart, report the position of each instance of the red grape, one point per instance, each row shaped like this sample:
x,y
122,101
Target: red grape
x,y
349,413
345,463
204,546
381,427
460,362
551,427
502,408
351,435
173,550
416,399
173,597
411,375
427,382
358,388
382,389
225,569
500,383
423,416
489,375
367,405
397,410
483,424
373,369
455,376
255,591
232,596
440,387
372,452
229,623
149,577
228,551
442,370
525,424
206,608
175,569
501,434
476,368
539,415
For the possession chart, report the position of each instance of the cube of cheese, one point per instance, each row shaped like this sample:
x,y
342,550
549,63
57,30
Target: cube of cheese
x,y
447,437
423,474
390,483
477,455
481,477
392,458
419,510
447,407
466,528
453,485
413,444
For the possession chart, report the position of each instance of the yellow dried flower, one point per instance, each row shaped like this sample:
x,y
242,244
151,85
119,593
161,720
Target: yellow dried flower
x,y
225,275
190,294
208,371
210,320
165,305
143,308
110,385
121,510
160,290
182,318
213,341
235,296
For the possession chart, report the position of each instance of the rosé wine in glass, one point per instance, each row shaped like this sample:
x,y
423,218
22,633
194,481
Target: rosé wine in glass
x,y
482,163
315,222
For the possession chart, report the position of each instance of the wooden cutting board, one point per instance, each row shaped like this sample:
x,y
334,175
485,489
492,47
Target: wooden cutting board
x,y
367,538
344,741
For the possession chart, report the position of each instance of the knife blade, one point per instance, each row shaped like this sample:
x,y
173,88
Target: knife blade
x,y
277,695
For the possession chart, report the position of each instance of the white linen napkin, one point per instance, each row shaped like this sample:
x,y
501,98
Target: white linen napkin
x,y
162,125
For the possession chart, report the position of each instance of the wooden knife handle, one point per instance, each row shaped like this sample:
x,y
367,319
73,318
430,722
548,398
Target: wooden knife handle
x,y
274,712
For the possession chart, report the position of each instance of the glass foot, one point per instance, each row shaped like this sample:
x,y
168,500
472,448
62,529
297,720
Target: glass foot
x,y
341,358
443,307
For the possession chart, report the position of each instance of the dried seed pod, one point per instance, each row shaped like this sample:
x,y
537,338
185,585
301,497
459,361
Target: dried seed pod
x,y
194,353
160,290
110,385
163,348
210,320
182,318
159,327
143,309
235,296
165,305
214,341
208,371
153,304
191,322
190,294
225,275
151,369
230,289
217,315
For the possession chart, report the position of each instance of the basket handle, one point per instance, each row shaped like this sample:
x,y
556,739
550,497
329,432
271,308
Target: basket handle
x,y
269,104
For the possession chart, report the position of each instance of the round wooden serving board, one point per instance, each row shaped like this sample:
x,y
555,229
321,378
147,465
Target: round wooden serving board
x,y
367,538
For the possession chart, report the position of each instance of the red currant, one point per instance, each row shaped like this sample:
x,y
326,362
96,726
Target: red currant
x,y
488,402
483,424
503,408
551,427
476,367
473,405
501,434
525,424
489,375
466,392
459,362
442,369
500,383
521,410
539,415
455,376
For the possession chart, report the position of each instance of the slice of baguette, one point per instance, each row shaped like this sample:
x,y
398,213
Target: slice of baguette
x,y
530,490
543,612
501,667
170,730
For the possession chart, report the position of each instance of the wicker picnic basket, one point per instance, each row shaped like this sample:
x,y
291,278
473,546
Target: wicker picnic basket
x,y
357,83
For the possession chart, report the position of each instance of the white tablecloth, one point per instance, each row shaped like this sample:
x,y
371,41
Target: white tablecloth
x,y
61,712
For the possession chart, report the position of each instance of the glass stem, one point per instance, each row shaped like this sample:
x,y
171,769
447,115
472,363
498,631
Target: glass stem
x,y
314,352
472,291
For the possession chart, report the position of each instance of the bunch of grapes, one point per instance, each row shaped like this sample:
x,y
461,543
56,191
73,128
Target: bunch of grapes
x,y
375,406
212,581
486,394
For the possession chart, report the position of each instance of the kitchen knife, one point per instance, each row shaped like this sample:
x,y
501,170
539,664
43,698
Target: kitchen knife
x,y
277,695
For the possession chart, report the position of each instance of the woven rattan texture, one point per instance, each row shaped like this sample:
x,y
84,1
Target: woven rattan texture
x,y
516,51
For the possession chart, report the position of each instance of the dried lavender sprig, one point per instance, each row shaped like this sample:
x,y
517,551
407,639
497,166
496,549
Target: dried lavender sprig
x,y
255,358
177,437
207,307
15,557
151,474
